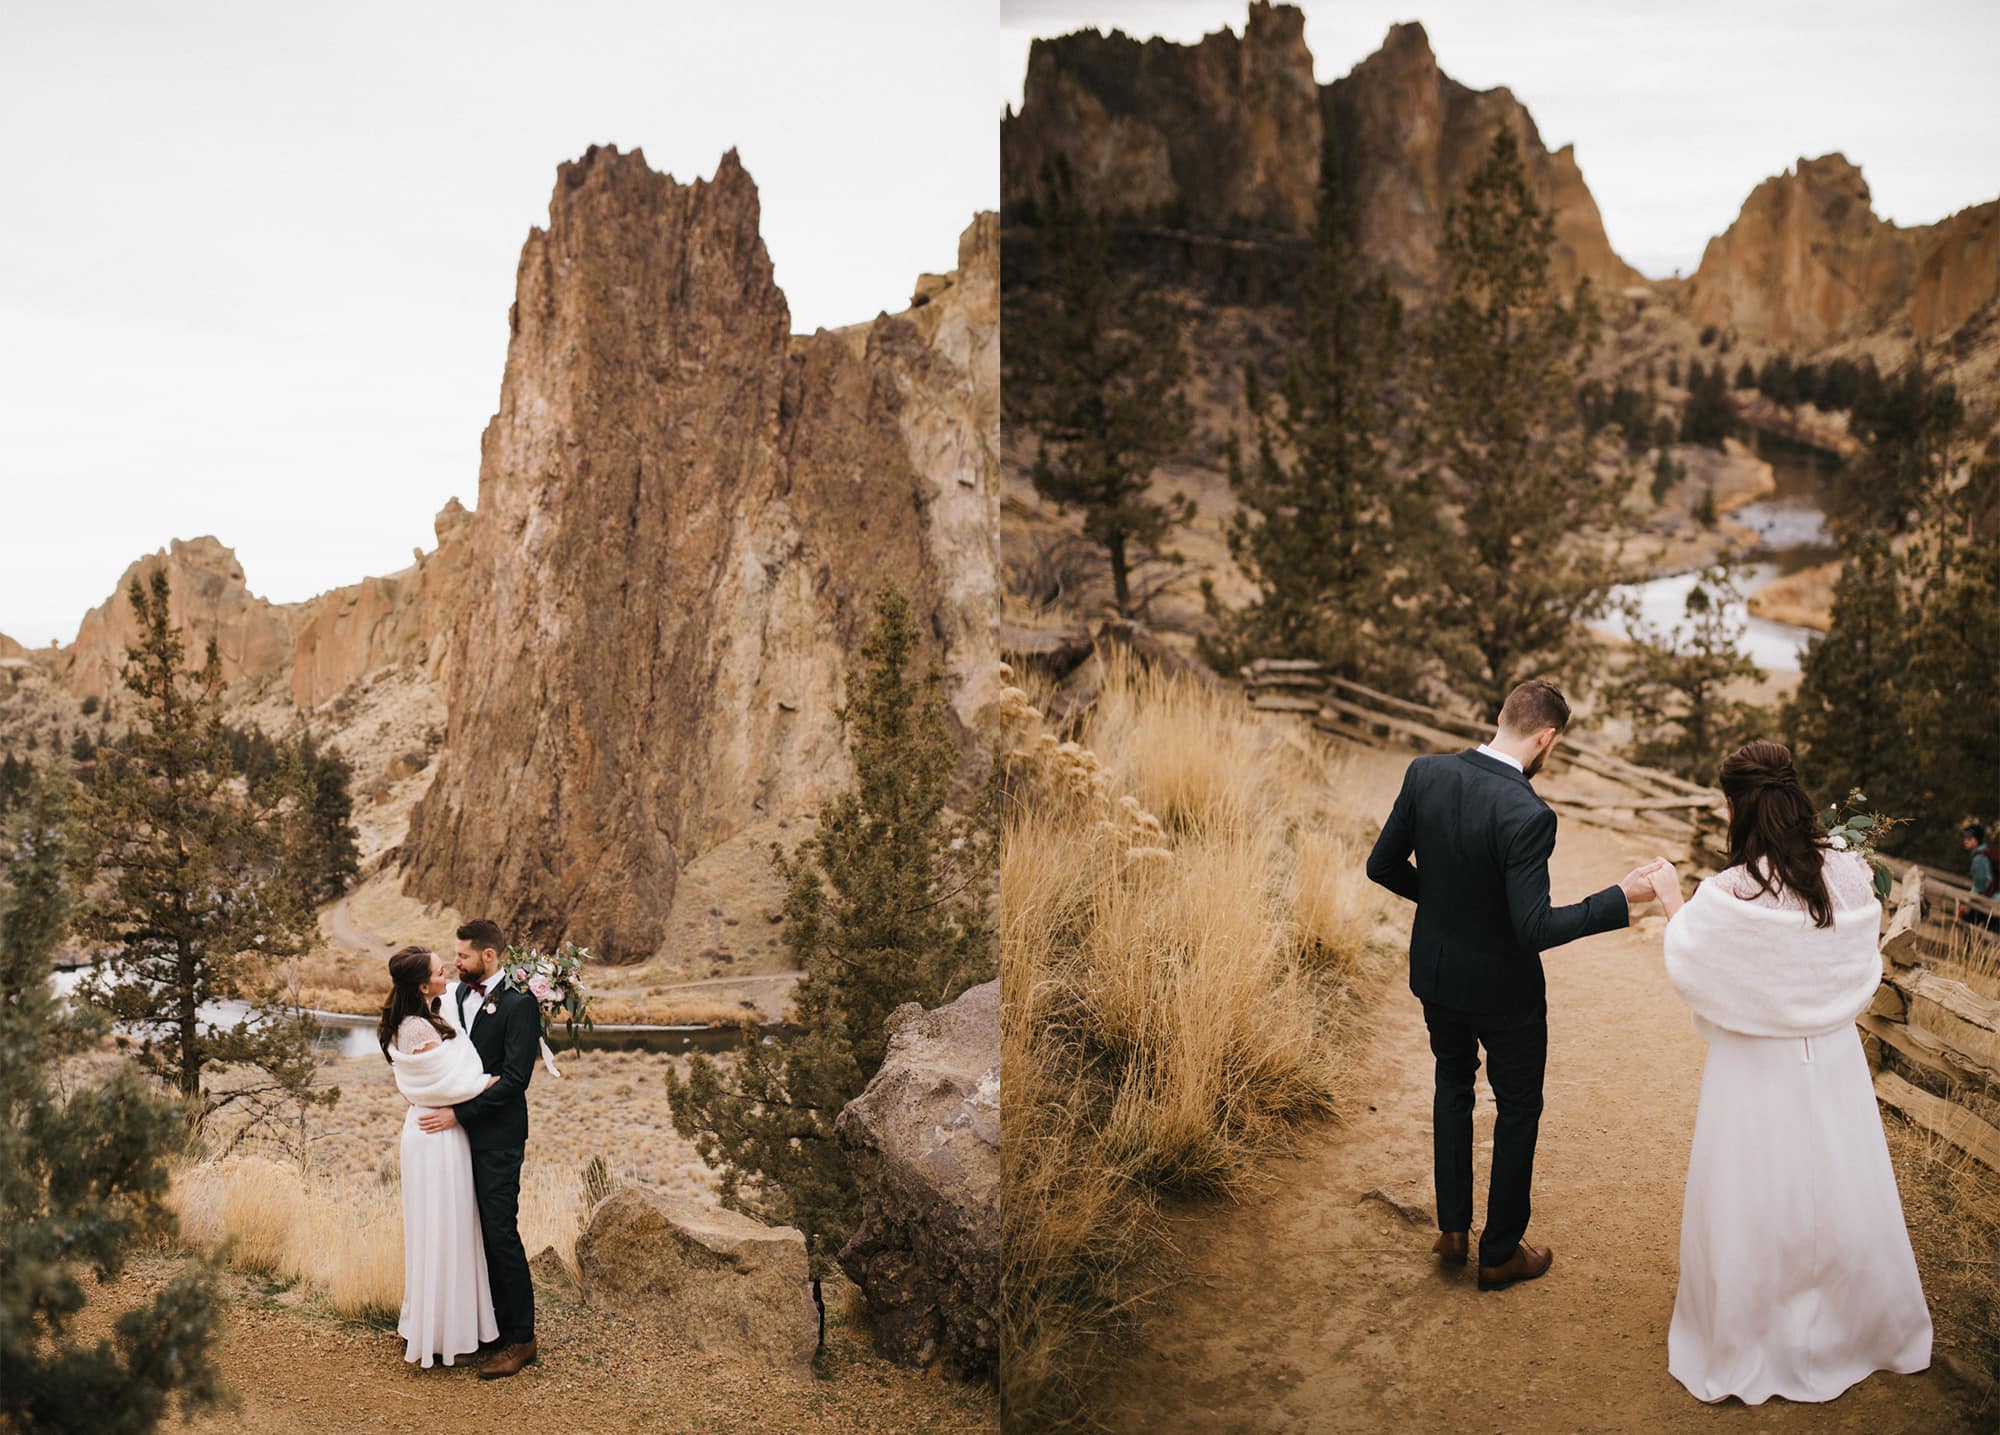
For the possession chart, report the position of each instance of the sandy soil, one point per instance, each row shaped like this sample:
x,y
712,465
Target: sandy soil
x,y
299,1370
1311,1308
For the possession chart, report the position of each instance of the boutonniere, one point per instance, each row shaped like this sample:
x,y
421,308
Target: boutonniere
x,y
488,1009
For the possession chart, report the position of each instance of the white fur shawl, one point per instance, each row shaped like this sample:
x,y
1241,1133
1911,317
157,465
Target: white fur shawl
x,y
445,1075
1768,971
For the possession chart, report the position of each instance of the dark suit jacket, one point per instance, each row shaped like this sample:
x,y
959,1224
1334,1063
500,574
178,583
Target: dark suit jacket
x,y
507,1040
1482,840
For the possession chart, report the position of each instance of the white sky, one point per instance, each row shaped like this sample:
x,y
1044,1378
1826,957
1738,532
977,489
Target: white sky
x,y
257,258
1677,110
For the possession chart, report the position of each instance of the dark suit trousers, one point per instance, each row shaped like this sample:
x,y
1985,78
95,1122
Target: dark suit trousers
x,y
1516,1056
496,1184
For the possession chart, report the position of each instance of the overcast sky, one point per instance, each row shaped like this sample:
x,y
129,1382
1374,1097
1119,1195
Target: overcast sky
x,y
257,260
1677,110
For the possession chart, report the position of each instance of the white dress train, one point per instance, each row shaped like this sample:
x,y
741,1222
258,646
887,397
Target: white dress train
x,y
1797,1278
447,1303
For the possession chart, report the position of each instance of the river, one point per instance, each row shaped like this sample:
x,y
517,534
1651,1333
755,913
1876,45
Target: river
x,y
1790,524
348,1036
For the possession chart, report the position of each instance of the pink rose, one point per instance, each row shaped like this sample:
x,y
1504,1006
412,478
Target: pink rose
x,y
539,985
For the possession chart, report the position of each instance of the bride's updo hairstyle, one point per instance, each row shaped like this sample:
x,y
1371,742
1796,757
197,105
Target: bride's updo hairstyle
x,y
1773,834
409,970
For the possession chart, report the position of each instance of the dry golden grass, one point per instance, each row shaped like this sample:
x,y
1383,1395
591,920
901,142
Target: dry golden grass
x,y
1174,983
337,1235
606,1011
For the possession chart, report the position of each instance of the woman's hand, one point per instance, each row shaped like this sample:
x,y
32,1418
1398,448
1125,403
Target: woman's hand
x,y
1667,886
489,1083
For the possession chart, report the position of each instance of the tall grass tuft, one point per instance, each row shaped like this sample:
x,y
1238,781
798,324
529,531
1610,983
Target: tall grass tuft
x,y
341,1237
1178,939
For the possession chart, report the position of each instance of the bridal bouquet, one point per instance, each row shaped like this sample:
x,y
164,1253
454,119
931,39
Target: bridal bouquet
x,y
555,981
1858,831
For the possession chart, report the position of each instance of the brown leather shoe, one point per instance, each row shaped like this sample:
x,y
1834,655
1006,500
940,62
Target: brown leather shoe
x,y
508,1360
1525,1264
1450,1247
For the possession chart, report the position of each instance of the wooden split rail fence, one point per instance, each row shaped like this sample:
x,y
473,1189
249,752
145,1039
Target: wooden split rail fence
x,y
1932,1039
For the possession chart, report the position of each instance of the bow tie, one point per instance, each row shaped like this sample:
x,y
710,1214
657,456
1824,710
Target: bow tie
x,y
479,987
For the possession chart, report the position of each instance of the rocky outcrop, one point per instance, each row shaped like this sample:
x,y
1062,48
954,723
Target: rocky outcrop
x,y
1226,134
714,1278
684,517
1409,137
923,1141
350,632
1807,262
207,599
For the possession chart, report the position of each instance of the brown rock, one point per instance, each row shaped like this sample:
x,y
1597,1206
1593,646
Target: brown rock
x,y
716,1278
1807,262
684,516
552,1272
208,598
1226,134
923,1141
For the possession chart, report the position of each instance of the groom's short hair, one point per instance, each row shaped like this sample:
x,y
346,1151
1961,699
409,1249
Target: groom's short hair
x,y
1534,705
483,934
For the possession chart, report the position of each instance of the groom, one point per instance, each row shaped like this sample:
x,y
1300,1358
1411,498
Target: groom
x,y
1482,840
505,1027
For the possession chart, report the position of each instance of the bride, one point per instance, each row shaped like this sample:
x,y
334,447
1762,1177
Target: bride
x,y
447,1304
1797,1277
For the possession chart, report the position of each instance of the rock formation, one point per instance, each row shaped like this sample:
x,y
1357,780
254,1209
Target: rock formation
x,y
1409,137
715,1278
1807,262
207,599
1226,134
923,1141
684,516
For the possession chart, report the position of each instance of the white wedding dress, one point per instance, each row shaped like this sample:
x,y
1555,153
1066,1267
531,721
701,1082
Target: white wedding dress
x,y
1797,1277
447,1303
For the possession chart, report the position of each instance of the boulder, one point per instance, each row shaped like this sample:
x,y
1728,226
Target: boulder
x,y
923,1141
715,1278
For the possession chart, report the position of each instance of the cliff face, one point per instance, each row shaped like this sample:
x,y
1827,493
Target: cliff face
x,y
684,516
1409,137
207,599
1227,134
1807,262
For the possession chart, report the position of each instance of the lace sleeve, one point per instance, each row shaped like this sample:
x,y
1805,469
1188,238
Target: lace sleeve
x,y
1850,881
413,1033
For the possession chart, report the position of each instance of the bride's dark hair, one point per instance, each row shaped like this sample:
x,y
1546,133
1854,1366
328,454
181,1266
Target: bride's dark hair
x,y
1773,834
409,969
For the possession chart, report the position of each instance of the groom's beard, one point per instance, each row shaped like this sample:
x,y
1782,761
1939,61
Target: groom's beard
x,y
1535,764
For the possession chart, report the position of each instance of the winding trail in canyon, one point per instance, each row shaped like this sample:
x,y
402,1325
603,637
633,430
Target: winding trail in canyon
x,y
1307,1308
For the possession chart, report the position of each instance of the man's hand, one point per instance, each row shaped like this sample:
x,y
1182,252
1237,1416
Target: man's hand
x,y
1638,883
443,1119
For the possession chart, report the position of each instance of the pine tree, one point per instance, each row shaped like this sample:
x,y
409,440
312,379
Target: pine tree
x,y
83,1179
1316,529
1951,687
1908,425
1845,720
1510,585
200,889
1675,686
888,902
1095,367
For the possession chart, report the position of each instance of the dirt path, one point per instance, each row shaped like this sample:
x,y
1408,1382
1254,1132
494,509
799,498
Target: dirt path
x,y
1309,1309
341,930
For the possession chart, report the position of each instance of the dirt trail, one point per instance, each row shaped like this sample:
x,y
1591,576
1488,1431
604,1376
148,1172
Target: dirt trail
x,y
1308,1309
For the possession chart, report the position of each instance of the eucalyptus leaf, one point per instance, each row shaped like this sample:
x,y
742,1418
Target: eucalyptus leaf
x,y
1860,822
1883,881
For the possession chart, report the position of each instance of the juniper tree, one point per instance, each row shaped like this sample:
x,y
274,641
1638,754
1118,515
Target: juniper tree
x,y
1095,367
1515,576
1675,684
889,901
1316,528
83,1179
1908,426
1845,721
201,890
